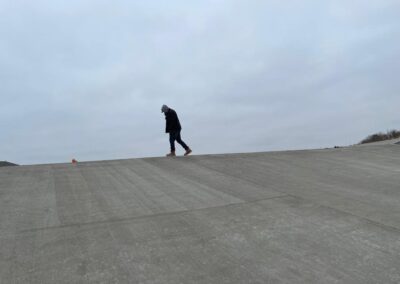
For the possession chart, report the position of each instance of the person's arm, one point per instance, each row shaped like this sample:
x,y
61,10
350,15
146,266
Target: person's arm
x,y
173,120
166,123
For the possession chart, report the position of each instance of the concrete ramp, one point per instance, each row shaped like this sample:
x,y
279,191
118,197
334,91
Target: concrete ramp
x,y
316,216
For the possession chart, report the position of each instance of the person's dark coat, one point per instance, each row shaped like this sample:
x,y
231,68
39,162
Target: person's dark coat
x,y
172,121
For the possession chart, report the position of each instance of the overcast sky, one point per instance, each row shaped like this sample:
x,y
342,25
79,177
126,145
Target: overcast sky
x,y
86,79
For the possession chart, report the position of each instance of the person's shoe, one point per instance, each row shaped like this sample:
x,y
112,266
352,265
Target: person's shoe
x,y
172,154
188,151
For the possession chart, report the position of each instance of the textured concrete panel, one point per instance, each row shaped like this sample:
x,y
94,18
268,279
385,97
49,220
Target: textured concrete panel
x,y
318,216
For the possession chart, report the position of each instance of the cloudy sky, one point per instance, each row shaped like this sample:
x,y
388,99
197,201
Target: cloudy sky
x,y
86,79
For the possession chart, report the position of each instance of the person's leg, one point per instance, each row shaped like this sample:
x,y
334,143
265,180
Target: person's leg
x,y
172,138
179,140
186,147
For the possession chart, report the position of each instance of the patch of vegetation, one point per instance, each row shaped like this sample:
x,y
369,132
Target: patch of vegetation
x,y
6,164
391,134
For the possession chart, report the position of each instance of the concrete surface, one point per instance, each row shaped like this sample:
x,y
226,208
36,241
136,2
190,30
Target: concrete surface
x,y
316,216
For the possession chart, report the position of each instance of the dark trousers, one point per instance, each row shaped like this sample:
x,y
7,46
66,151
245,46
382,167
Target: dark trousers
x,y
176,135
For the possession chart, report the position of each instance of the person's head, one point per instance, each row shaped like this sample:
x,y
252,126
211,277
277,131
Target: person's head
x,y
164,109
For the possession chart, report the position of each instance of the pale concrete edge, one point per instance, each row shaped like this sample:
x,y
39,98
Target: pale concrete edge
x,y
381,143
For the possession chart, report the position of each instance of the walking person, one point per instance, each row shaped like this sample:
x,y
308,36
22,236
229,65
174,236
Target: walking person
x,y
173,127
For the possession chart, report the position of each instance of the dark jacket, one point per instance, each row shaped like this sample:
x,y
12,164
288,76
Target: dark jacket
x,y
172,120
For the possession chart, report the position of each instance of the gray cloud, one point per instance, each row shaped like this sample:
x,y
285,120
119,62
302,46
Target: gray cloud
x,y
86,79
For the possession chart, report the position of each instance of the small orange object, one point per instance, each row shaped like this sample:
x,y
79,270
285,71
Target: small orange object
x,y
74,161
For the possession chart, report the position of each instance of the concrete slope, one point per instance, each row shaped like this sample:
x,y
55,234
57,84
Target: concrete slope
x,y
316,216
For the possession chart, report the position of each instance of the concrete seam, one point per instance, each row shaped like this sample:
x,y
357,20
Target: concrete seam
x,y
376,223
389,227
146,216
